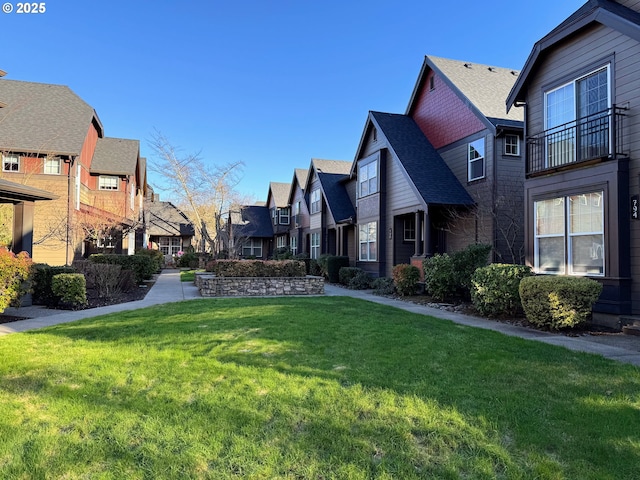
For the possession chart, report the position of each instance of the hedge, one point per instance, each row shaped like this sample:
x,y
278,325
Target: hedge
x,y
495,288
334,264
257,268
143,266
42,277
405,279
71,289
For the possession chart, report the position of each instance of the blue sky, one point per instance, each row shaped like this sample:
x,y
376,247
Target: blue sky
x,y
271,83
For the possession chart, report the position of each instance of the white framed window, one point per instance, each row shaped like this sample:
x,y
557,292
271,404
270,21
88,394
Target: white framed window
x,y
367,235
294,245
52,166
409,229
170,245
105,241
78,170
569,235
283,216
512,145
315,245
281,241
10,163
368,179
476,160
252,248
296,213
108,182
316,205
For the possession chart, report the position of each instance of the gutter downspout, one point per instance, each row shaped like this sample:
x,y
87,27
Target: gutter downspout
x,y
70,162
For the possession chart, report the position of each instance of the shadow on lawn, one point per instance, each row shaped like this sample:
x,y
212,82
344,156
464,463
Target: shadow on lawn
x,y
521,387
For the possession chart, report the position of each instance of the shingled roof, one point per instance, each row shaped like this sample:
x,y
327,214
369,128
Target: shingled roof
x,y
280,193
605,12
165,219
482,87
426,169
116,156
336,196
43,118
255,222
331,166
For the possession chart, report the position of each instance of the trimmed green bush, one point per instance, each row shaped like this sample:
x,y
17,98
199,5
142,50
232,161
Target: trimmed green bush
x,y
188,260
15,271
465,263
42,277
322,264
156,256
347,273
557,302
70,288
495,288
143,266
257,268
334,264
439,280
361,281
383,286
405,279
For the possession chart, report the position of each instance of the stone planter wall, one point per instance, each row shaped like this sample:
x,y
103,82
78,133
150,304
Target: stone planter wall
x,y
212,286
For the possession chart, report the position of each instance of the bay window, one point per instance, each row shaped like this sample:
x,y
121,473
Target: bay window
x,y
569,234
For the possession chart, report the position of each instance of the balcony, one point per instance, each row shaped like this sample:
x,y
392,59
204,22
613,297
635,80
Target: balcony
x,y
596,137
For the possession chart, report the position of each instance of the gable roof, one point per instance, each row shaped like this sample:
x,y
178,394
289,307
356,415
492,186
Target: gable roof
x,y
116,156
605,12
336,196
331,166
424,166
43,118
165,219
254,221
280,193
300,176
482,88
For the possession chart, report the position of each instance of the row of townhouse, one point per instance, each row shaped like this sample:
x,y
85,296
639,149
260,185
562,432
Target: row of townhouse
x,y
88,192
552,180
445,174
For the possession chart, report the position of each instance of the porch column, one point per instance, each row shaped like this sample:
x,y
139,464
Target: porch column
x,y
23,227
339,240
417,247
427,233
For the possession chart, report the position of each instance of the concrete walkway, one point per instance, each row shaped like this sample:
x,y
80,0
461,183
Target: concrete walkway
x,y
168,288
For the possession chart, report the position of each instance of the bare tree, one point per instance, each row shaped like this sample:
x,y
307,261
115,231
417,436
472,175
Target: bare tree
x,y
203,191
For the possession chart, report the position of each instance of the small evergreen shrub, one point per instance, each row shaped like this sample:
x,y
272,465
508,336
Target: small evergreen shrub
x,y
557,302
347,273
282,253
188,260
405,279
383,286
362,281
143,266
15,271
42,277
439,280
322,264
465,263
155,255
314,268
70,288
495,288
334,264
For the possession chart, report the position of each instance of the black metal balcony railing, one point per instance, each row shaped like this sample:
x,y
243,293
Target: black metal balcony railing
x,y
596,136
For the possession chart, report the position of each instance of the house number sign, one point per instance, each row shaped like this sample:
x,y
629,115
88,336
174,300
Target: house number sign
x,y
635,207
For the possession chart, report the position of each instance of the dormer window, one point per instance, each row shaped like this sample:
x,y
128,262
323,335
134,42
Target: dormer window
x,y
10,163
108,182
52,166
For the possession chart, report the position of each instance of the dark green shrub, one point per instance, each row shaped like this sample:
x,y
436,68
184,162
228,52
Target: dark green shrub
x,y
322,264
405,279
495,288
143,266
439,280
383,286
256,268
42,276
70,289
557,302
314,268
15,272
156,255
361,281
346,274
282,253
303,257
188,260
465,263
334,264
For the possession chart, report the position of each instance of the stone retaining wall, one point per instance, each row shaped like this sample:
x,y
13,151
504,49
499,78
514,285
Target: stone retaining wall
x,y
212,286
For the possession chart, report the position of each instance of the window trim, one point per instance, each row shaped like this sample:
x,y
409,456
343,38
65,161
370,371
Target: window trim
x,y
481,158
293,245
109,177
364,176
316,201
284,217
409,228
52,161
10,159
315,244
254,246
517,145
368,239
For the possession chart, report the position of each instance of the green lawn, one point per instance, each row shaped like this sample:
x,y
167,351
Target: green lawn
x,y
307,388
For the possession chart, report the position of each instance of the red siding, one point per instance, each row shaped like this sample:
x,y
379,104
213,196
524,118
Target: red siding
x,y
442,116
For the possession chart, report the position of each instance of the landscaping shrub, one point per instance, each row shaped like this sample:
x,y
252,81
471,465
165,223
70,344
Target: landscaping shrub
x,y
361,281
143,266
557,302
282,253
406,278
156,256
188,260
256,268
439,280
346,274
465,263
303,257
314,268
495,288
105,278
42,277
322,264
383,286
70,289
334,264
15,271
